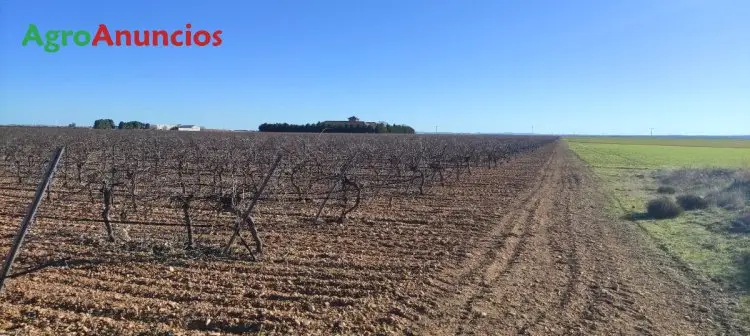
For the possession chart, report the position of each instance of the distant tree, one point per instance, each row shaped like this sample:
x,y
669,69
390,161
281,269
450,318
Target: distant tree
x,y
104,124
133,125
380,128
352,127
72,125
404,129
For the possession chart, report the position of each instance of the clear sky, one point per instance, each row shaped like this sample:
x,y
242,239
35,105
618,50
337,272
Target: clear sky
x,y
576,66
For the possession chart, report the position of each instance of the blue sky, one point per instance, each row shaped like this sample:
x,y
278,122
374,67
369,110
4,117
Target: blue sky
x,y
588,67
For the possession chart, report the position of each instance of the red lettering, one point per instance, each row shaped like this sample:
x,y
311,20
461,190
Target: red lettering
x,y
164,37
119,35
217,38
174,38
188,35
141,42
206,38
102,34
154,37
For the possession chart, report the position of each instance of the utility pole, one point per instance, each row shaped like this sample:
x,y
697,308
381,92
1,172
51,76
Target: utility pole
x,y
435,129
652,131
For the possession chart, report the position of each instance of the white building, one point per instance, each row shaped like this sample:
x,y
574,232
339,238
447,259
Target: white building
x,y
164,127
190,128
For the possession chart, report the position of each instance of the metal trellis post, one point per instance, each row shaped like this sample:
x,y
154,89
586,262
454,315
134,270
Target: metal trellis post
x,y
29,218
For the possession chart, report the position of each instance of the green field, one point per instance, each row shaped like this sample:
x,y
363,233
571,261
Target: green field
x,y
635,154
633,168
661,141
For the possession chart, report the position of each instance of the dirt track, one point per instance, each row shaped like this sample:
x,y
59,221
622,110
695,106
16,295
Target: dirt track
x,y
556,264
526,249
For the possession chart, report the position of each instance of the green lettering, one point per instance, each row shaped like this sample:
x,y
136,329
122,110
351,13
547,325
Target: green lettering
x,y
52,36
86,38
65,35
32,34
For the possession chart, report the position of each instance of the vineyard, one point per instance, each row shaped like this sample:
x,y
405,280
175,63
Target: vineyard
x,y
168,233
243,232
140,178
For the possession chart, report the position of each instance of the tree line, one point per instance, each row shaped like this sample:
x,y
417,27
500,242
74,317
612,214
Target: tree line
x,y
110,124
319,127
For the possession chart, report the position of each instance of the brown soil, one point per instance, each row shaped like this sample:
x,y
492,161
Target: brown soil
x,y
557,265
523,249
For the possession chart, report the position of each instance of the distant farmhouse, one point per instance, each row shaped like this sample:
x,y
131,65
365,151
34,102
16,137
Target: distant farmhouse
x,y
177,127
189,128
164,127
352,121
110,124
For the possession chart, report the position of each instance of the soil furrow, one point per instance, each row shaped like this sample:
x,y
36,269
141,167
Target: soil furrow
x,y
503,246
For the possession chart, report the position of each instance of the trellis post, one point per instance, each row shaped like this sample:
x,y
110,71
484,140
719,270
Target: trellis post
x,y
31,212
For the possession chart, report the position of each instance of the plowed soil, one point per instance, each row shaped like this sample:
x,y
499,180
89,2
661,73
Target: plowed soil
x,y
522,249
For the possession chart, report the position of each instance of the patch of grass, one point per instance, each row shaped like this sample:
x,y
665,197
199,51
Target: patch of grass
x,y
663,208
740,224
729,200
697,179
696,244
666,141
745,308
666,190
743,262
713,240
741,186
692,202
627,156
722,187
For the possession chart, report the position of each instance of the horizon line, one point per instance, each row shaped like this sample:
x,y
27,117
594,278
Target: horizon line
x,y
459,133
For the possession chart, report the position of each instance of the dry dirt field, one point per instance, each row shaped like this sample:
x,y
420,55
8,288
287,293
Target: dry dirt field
x,y
522,249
